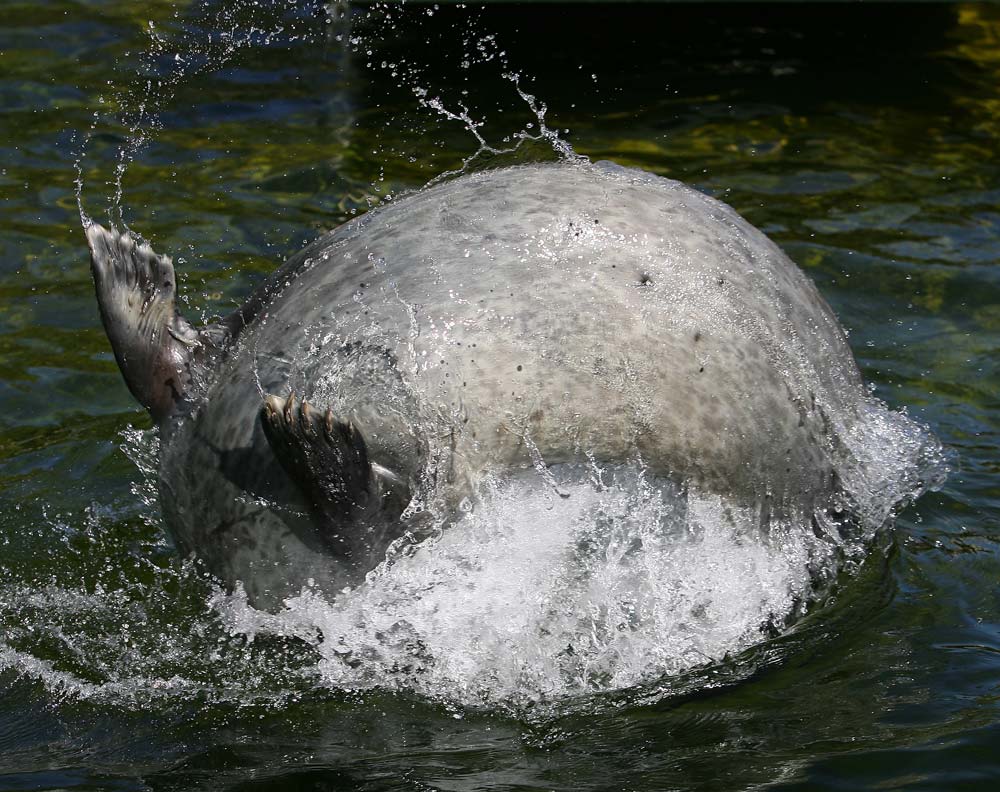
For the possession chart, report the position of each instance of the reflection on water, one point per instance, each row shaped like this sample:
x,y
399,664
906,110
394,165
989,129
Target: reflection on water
x,y
860,138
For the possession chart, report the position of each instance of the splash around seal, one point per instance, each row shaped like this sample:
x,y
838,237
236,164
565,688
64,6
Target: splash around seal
x,y
543,320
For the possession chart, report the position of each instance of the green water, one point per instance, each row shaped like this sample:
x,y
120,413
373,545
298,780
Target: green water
x,y
862,138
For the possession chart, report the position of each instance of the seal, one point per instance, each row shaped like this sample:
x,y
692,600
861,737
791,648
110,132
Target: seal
x,y
509,319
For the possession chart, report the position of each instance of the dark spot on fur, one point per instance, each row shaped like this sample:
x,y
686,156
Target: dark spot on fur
x,y
697,337
644,279
519,367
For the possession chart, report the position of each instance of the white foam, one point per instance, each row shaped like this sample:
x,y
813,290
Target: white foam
x,y
536,597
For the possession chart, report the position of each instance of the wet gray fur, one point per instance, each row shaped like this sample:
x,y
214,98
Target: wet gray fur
x,y
540,313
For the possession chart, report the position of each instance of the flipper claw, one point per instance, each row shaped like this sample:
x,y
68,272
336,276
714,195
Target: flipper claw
x,y
328,459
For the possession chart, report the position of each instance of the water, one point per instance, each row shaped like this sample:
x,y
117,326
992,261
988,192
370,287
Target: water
x,y
862,139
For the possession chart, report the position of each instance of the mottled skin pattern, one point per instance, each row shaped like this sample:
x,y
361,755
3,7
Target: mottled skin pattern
x,y
546,312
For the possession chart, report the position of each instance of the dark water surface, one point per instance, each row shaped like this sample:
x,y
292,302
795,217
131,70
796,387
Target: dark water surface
x,y
862,138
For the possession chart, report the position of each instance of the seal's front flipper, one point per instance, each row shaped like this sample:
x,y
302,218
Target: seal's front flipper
x,y
153,344
353,500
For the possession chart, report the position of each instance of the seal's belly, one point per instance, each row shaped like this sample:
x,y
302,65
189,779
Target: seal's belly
x,y
562,311
524,317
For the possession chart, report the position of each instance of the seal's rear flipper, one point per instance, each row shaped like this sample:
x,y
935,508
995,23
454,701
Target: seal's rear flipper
x,y
328,459
152,343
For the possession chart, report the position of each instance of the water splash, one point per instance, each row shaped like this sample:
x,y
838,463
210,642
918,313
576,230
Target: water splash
x,y
195,41
203,38
487,155
477,48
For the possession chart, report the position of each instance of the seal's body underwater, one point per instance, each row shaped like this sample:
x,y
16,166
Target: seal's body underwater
x,y
507,319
